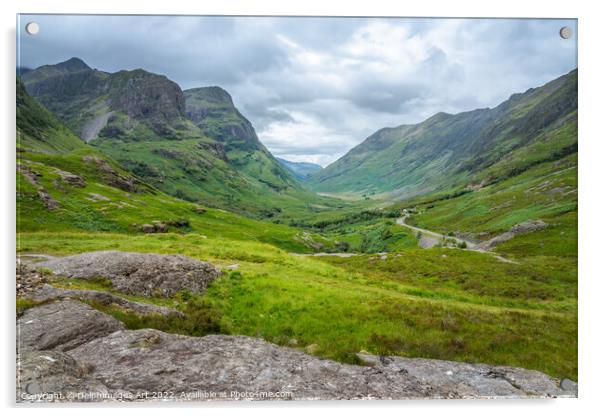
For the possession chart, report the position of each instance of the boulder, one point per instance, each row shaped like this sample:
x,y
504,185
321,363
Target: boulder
x,y
138,273
71,179
62,326
155,227
54,376
528,227
160,227
147,228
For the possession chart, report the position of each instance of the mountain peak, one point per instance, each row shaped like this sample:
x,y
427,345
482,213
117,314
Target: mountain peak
x,y
213,111
213,95
73,65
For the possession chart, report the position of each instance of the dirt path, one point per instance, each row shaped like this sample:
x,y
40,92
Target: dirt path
x,y
430,239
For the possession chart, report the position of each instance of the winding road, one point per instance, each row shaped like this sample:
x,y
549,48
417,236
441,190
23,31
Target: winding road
x,y
430,239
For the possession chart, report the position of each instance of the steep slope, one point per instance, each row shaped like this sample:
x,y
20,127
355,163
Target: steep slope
x,y
474,148
208,154
213,111
300,170
38,129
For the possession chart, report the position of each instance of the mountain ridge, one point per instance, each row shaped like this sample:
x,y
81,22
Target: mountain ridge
x,y
453,150
194,145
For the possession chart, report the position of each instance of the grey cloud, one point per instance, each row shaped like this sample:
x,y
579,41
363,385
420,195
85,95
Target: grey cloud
x,y
315,87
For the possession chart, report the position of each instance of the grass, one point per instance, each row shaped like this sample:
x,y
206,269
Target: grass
x,y
439,303
200,318
120,211
547,192
23,304
187,170
346,308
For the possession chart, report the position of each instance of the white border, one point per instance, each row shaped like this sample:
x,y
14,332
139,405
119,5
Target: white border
x,y
590,151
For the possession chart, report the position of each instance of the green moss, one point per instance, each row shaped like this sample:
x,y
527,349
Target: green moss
x,y
23,304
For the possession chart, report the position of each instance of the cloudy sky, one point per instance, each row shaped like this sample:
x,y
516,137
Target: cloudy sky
x,y
315,87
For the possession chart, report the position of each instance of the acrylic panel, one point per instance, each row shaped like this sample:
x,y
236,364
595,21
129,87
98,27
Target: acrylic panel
x,y
295,208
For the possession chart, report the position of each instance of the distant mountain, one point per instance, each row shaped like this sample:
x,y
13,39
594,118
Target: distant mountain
x,y
300,170
194,145
470,149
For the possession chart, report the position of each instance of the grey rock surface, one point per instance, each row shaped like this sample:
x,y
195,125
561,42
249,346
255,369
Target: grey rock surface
x,y
228,367
62,326
475,380
28,279
52,376
138,273
517,229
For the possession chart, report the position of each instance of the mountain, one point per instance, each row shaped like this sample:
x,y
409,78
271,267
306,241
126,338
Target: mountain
x,y
212,110
22,70
65,185
300,170
126,105
40,130
194,145
470,149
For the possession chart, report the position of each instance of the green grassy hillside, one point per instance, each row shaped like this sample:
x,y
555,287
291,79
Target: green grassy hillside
x,y
474,148
37,128
64,185
521,315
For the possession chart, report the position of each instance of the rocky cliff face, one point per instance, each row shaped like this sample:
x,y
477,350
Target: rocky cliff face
x,y
130,105
212,110
145,96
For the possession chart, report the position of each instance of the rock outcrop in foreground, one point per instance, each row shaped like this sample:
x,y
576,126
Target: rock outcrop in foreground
x,y
71,352
138,273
